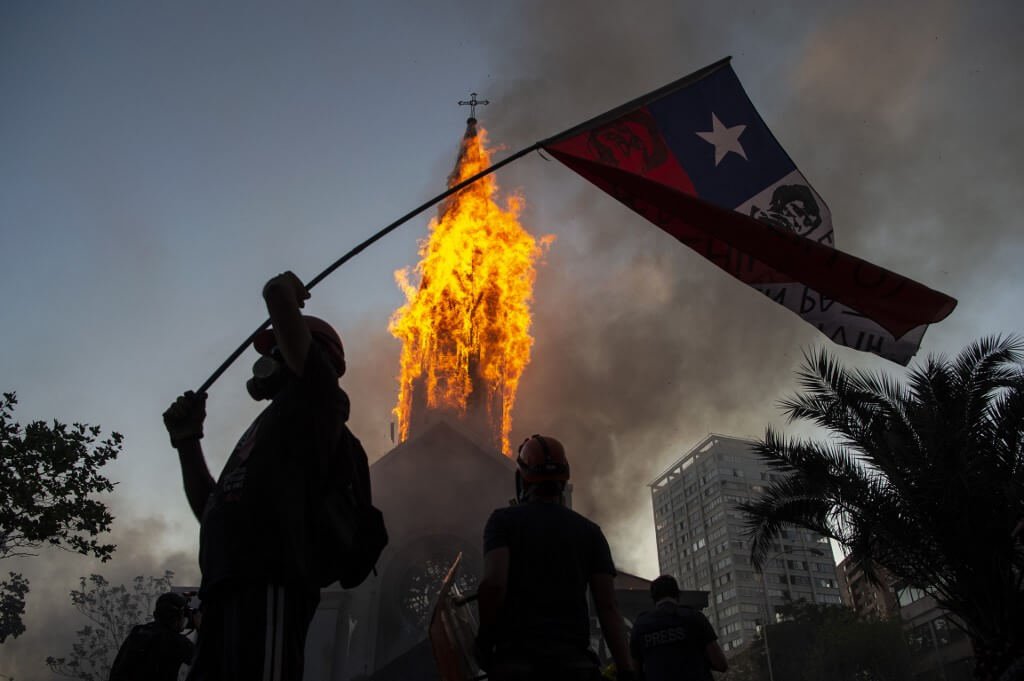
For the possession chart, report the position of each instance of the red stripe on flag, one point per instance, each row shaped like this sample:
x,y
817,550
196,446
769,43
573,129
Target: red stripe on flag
x,y
758,253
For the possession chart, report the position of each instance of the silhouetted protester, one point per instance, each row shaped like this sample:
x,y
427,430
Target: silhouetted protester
x,y
539,559
260,574
674,642
156,650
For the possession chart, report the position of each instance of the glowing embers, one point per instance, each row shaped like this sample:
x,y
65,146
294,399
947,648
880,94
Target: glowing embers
x,y
465,327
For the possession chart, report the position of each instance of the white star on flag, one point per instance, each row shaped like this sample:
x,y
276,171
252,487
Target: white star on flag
x,y
725,139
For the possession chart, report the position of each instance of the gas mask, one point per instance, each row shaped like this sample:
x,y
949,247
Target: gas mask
x,y
269,374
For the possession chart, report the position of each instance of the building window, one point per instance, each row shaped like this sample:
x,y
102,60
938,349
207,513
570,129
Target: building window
x,y
910,595
921,637
726,595
942,634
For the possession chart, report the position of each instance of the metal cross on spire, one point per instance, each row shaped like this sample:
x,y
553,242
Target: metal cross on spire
x,y
473,103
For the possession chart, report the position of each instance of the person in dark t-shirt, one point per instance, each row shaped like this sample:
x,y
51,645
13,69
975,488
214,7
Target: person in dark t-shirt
x,y
156,650
260,579
674,642
539,559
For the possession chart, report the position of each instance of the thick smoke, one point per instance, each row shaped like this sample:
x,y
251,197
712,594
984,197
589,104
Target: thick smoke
x,y
50,618
642,347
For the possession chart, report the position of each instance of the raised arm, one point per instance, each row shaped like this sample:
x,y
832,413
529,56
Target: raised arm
x,y
285,296
184,422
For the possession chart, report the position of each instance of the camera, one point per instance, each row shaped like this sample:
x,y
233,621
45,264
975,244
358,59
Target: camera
x,y
191,615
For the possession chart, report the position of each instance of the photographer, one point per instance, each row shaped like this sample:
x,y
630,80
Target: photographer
x,y
156,650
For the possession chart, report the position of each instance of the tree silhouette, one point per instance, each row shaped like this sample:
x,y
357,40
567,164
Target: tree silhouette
x,y
815,642
48,474
923,477
112,612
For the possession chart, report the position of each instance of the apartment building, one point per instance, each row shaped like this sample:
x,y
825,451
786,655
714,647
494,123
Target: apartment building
x,y
701,541
865,597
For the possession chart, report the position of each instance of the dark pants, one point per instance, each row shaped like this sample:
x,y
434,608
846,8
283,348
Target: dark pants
x,y
543,663
253,632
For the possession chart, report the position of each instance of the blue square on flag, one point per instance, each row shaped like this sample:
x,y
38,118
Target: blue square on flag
x,y
720,140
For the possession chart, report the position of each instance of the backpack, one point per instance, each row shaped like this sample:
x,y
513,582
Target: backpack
x,y
350,532
134,651
143,655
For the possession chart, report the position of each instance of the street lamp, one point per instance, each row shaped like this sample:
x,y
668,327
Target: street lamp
x,y
767,607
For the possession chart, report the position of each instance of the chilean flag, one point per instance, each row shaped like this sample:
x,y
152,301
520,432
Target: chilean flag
x,y
695,158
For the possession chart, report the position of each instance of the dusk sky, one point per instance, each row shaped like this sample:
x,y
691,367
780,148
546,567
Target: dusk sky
x,y
160,161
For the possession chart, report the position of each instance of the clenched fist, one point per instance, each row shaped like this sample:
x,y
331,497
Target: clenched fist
x,y
184,418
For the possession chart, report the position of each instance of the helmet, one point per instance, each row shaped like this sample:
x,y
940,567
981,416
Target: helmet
x,y
170,604
541,459
322,332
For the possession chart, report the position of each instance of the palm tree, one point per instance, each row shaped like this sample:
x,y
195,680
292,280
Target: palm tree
x,y
923,477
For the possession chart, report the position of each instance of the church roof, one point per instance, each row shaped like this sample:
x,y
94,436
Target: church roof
x,y
438,439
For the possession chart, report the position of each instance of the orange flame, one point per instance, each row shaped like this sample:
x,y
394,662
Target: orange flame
x,y
465,328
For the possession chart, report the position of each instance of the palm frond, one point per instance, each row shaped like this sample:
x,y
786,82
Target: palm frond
x,y
923,476
978,361
815,461
786,503
981,369
932,384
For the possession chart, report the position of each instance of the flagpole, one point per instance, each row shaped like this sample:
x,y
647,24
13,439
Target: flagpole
x,y
607,116
363,246
640,101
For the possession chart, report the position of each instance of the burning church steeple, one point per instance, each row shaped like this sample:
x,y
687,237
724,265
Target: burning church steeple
x,y
465,326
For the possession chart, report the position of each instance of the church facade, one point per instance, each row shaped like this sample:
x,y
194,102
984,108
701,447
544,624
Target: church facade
x,y
436,492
